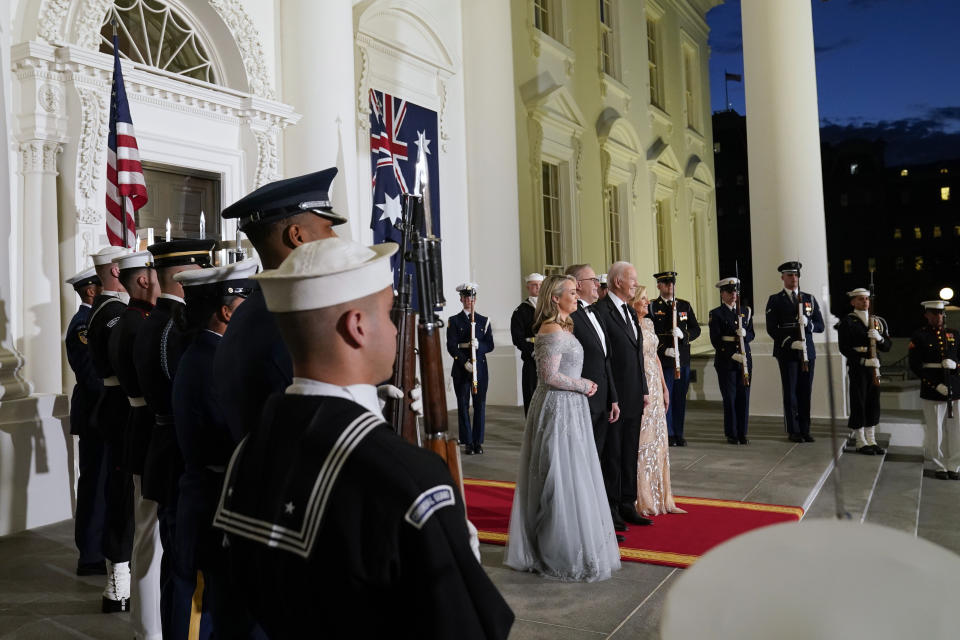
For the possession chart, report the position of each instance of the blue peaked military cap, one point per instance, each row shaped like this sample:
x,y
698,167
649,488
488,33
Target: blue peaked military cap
x,y
666,276
283,198
790,267
181,252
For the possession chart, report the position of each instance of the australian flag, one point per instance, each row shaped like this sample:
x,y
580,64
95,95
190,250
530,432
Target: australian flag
x,y
399,130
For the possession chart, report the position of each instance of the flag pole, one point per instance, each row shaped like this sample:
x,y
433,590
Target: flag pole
x,y
726,89
123,199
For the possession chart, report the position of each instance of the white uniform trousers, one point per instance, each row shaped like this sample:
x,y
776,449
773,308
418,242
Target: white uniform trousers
x,y
145,568
941,442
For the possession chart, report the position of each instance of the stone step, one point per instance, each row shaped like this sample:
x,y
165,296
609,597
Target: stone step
x,y
896,499
858,474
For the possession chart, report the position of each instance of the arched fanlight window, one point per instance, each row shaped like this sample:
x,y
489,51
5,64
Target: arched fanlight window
x,y
151,33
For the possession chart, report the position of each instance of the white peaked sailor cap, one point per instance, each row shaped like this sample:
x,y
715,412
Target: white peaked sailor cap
x,y
468,289
83,278
727,282
534,277
934,304
138,260
242,270
859,291
106,255
325,273
603,278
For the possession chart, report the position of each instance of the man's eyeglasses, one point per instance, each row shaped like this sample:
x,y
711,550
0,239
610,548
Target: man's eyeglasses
x,y
594,280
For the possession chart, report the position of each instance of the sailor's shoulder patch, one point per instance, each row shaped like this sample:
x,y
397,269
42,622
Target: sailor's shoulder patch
x,y
428,502
113,321
82,334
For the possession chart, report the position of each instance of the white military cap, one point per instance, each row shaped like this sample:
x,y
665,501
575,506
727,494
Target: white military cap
x,y
228,280
727,282
325,273
534,277
934,304
859,291
106,255
603,278
138,260
82,279
468,288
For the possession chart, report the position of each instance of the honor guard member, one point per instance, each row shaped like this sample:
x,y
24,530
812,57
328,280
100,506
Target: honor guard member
x,y
108,421
521,332
854,333
686,331
156,353
933,354
212,297
91,483
602,291
462,349
277,218
790,314
725,334
323,503
140,280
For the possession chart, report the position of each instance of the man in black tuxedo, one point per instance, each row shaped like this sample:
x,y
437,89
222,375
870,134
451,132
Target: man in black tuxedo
x,y
618,460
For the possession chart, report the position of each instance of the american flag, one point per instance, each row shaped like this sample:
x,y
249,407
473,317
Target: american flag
x,y
126,189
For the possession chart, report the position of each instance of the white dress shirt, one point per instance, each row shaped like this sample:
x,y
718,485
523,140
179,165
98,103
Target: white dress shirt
x,y
596,324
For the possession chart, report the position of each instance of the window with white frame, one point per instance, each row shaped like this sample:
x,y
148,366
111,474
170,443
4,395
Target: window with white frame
x,y
608,38
151,33
552,219
653,62
691,81
546,17
611,200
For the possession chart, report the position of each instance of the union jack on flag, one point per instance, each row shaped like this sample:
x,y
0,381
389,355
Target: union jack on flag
x,y
399,132
126,188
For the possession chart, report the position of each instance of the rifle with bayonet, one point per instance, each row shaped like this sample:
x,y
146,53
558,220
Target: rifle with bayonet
x,y
804,358
676,341
741,345
397,410
872,322
473,344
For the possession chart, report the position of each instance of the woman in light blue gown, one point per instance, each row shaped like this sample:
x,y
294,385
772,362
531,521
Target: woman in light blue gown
x,y
560,524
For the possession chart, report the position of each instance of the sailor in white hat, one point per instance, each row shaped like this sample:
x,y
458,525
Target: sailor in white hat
x,y
521,332
731,324
933,355
322,500
469,348
602,292
861,336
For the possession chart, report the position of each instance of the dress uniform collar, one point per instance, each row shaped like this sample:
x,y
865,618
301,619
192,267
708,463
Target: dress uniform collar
x,y
170,296
791,292
363,394
864,318
123,296
84,304
532,301
731,307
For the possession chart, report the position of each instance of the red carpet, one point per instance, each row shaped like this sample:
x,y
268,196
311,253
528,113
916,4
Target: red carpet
x,y
673,540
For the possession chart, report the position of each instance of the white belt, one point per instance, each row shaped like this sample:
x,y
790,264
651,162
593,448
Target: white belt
x,y
463,345
137,402
728,338
112,381
860,349
935,365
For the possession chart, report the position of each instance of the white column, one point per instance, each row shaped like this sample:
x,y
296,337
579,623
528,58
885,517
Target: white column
x,y
492,181
786,186
40,241
318,81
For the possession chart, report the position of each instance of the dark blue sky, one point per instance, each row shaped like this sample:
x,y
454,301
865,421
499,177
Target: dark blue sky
x,y
885,68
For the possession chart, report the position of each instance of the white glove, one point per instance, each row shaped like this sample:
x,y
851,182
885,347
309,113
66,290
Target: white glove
x,y
742,332
678,332
670,353
949,364
416,400
475,343
798,345
942,390
873,333
804,321
468,366
388,391
870,362
474,540
737,357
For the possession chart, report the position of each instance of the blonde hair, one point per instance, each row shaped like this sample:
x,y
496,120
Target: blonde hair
x,y
547,310
635,301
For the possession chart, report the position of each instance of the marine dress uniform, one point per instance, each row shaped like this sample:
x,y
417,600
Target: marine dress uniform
x,y
92,480
147,551
661,313
335,525
933,355
725,333
854,332
521,333
458,346
784,326
254,361
109,420
206,442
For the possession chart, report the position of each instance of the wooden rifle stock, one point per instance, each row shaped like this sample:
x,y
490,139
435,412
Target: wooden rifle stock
x,y
397,410
676,343
804,359
742,345
872,351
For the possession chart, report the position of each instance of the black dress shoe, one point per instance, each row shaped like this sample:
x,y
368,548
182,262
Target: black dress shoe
x,y
631,516
732,441
953,475
618,523
621,538
867,450
808,438
744,441
878,450
941,475
468,450
672,441
796,437
681,441
478,449
92,568
108,605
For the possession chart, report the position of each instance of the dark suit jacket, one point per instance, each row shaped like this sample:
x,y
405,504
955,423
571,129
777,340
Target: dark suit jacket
x,y
596,363
626,357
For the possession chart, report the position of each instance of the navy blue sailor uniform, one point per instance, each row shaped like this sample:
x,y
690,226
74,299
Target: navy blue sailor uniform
x,y
458,346
854,344
109,419
92,479
139,425
521,333
725,340
783,328
661,313
325,506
